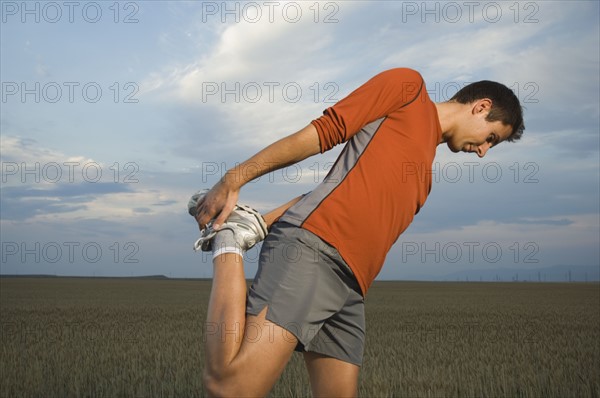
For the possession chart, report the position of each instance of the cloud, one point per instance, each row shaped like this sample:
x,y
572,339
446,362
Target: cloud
x,y
241,61
26,150
585,226
23,202
261,80
45,184
521,243
553,72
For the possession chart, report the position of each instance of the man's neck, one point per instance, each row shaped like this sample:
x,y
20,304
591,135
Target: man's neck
x,y
447,115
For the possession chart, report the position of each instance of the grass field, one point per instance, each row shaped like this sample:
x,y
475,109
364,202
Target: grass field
x,y
65,337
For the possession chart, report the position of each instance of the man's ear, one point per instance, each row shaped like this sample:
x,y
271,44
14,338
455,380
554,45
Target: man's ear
x,y
482,105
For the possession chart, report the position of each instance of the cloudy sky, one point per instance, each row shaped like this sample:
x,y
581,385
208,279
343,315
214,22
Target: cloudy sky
x,y
113,114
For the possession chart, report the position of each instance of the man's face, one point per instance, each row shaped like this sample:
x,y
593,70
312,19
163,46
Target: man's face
x,y
475,134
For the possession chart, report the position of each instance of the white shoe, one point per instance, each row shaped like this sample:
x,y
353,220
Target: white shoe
x,y
248,226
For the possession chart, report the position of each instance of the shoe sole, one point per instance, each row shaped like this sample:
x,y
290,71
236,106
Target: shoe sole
x,y
198,244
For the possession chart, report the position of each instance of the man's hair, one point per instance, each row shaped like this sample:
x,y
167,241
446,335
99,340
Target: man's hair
x,y
505,104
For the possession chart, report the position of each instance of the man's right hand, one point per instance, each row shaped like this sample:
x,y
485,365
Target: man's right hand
x,y
217,204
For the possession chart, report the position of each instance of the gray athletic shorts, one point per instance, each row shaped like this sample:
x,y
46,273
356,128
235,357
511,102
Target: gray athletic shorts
x,y
310,292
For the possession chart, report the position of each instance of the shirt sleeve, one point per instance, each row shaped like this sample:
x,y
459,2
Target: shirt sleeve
x,y
380,96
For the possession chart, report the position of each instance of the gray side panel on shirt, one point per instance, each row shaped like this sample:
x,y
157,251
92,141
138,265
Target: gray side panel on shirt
x,y
354,148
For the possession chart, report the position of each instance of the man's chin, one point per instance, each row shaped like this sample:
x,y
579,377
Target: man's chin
x,y
452,148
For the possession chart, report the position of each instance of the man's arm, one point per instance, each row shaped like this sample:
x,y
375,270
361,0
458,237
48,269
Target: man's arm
x,y
221,199
382,94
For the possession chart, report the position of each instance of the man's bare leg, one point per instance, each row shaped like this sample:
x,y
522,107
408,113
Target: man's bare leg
x,y
234,343
226,311
330,377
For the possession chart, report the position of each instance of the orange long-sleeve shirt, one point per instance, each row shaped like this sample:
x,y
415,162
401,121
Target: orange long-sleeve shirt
x,y
383,175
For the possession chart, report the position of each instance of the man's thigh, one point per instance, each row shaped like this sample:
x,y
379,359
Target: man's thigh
x,y
263,355
331,377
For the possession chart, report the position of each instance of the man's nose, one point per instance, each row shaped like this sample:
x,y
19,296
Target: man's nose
x,y
483,148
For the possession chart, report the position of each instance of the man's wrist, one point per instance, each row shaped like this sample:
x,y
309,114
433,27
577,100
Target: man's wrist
x,y
233,179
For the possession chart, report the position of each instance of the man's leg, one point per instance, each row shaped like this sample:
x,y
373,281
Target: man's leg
x,y
236,343
331,377
334,355
243,356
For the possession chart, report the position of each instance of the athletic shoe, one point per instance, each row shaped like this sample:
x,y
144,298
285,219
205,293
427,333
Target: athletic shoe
x,y
247,225
193,202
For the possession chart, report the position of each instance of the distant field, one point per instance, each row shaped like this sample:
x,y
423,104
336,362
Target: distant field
x,y
143,338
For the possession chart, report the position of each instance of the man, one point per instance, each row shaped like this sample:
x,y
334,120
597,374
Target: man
x,y
339,234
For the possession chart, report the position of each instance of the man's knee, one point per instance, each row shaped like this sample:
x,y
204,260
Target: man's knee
x,y
225,382
214,386
209,383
